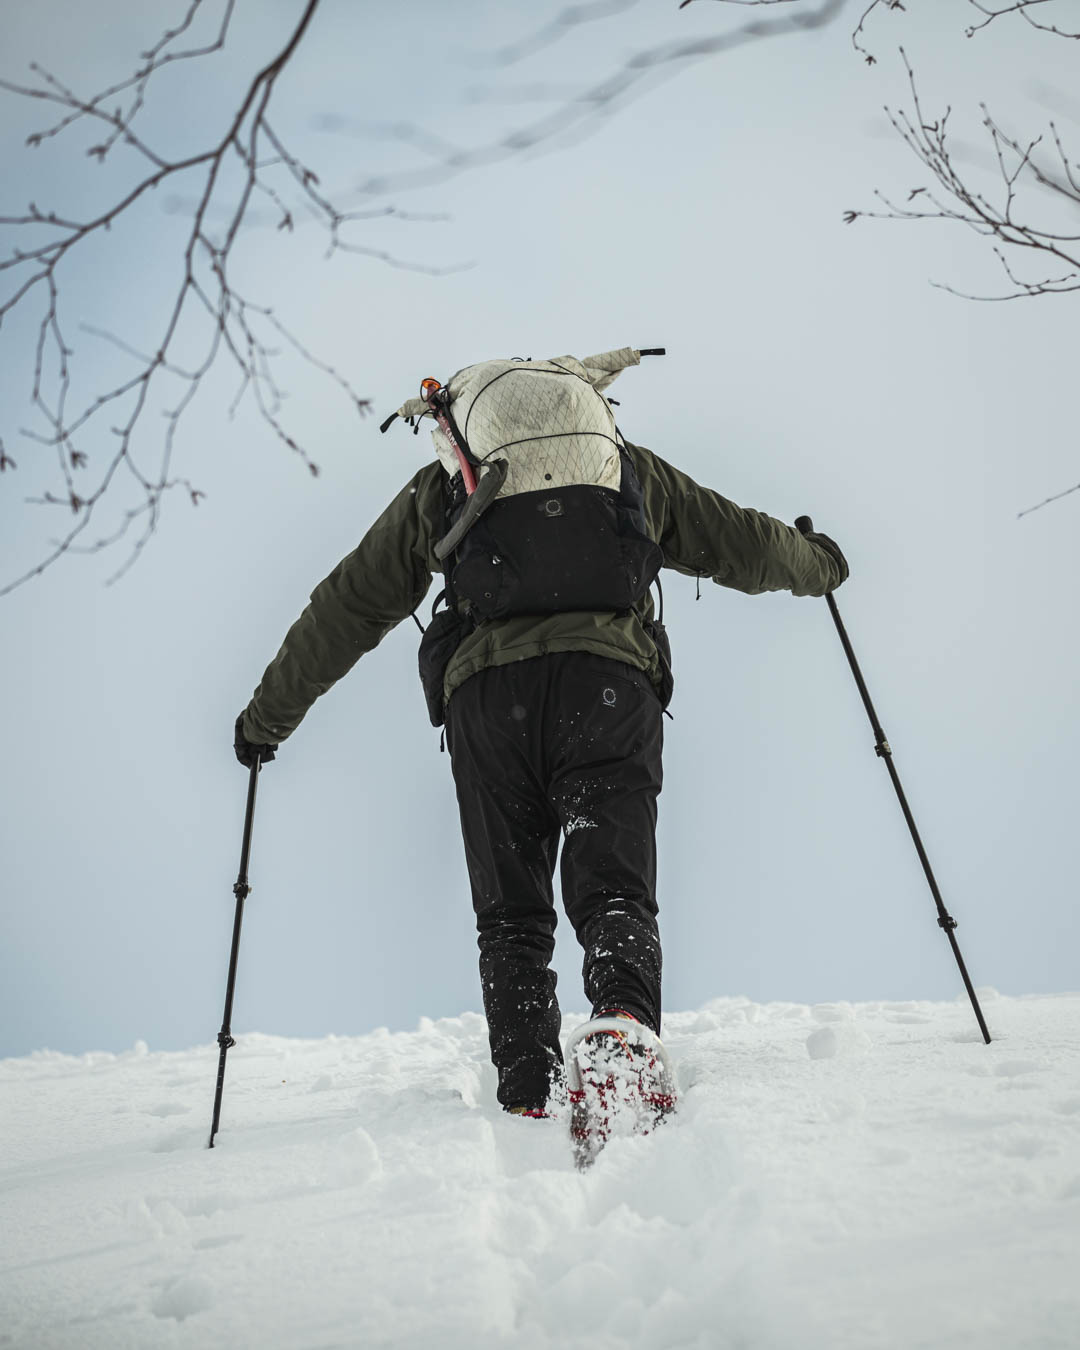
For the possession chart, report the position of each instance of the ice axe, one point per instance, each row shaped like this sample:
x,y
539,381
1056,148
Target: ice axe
x,y
482,491
884,751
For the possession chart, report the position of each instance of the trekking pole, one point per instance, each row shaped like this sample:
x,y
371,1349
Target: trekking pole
x,y
884,751
241,891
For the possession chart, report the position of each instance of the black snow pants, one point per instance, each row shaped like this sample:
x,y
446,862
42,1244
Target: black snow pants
x,y
567,744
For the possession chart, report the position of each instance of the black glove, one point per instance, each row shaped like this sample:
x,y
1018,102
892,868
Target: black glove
x,y
832,548
245,751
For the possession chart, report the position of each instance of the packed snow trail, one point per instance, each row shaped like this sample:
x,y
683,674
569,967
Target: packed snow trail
x,y
856,1177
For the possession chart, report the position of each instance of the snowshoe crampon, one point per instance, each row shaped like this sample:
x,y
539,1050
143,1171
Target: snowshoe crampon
x,y
620,1082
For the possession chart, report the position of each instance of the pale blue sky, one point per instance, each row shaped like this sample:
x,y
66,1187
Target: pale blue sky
x,y
811,368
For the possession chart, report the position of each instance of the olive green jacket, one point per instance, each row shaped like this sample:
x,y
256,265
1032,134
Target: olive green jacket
x,y
387,575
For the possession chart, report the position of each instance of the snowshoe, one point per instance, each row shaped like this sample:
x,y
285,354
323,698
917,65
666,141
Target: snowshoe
x,y
620,1082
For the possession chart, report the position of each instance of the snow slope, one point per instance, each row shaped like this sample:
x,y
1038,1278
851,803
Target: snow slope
x,y
841,1176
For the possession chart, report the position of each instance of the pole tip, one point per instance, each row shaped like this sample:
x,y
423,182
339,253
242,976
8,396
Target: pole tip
x,y
804,524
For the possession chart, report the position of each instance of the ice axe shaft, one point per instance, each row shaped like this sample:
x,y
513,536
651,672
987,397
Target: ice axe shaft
x,y
241,890
884,751
438,400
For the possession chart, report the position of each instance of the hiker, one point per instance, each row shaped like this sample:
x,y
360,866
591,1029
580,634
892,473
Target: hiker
x,y
548,668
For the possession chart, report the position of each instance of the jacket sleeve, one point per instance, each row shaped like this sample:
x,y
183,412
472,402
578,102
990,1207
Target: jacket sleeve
x,y
369,592
703,534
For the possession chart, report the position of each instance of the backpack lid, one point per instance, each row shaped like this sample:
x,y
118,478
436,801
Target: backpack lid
x,y
547,421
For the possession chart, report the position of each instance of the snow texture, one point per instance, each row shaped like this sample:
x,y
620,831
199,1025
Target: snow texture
x,y
857,1177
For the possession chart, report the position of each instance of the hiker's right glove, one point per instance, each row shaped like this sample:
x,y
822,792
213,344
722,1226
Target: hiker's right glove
x,y
245,751
832,548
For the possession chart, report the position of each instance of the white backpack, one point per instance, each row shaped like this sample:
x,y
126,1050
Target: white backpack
x,y
525,426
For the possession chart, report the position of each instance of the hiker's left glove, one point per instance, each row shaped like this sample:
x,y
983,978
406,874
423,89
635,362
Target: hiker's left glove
x,y
245,751
832,548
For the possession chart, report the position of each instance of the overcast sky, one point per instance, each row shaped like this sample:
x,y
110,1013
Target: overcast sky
x,y
811,368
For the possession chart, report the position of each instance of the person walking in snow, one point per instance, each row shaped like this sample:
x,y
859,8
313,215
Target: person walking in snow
x,y
548,667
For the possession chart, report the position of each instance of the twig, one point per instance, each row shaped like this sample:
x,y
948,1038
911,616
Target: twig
x,y
867,56
1021,7
1055,498
554,30
955,199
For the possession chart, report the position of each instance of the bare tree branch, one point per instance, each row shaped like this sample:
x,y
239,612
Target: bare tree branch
x,y
856,37
557,28
1021,7
684,3
1055,498
235,324
155,60
999,216
582,115
954,199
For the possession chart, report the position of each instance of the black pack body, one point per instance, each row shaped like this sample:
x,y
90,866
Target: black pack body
x,y
579,547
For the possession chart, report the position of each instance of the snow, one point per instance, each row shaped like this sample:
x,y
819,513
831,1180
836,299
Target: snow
x,y
846,1176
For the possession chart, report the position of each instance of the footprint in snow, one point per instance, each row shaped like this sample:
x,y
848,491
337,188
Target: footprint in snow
x,y
822,1043
165,1109
207,1243
905,1012
849,1107
1013,1068
1024,1146
179,1139
841,1038
183,1297
892,1157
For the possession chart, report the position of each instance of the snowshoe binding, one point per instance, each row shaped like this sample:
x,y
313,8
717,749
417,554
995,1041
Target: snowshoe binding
x,y
619,1080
